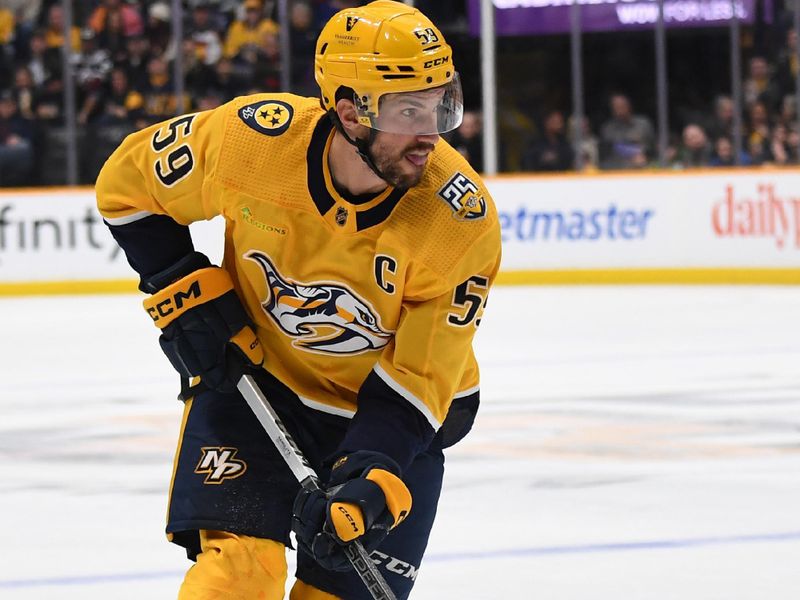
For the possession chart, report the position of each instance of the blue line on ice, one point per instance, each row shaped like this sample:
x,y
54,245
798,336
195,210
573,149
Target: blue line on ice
x,y
788,536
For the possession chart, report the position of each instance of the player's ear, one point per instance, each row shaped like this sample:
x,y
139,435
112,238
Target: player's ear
x,y
348,116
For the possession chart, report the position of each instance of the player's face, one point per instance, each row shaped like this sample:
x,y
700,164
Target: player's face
x,y
406,135
402,158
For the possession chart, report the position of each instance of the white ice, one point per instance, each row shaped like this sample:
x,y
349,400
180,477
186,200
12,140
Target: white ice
x,y
633,443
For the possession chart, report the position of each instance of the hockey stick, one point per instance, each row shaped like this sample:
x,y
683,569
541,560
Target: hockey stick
x,y
308,479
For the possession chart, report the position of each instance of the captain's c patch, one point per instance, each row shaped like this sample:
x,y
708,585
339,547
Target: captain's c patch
x,y
219,464
270,117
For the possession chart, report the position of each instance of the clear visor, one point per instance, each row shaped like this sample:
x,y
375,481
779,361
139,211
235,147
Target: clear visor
x,y
426,112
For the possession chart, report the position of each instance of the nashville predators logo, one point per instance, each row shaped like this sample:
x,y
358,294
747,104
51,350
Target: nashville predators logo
x,y
464,198
322,317
271,117
219,464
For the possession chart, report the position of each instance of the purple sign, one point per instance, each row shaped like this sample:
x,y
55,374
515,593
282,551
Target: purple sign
x,y
531,17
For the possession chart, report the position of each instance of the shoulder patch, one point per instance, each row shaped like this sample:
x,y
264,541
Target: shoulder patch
x,y
464,198
270,117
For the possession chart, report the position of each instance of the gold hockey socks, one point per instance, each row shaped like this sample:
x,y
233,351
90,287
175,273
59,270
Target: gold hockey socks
x,y
237,567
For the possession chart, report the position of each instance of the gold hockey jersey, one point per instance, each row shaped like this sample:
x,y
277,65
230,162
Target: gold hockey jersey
x,y
394,286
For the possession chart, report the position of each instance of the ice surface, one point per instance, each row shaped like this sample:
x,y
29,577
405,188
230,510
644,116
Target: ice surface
x,y
633,443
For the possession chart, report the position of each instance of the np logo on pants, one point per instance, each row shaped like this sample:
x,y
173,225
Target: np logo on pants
x,y
219,464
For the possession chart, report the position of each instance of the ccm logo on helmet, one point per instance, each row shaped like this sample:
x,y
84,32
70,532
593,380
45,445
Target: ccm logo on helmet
x,y
436,62
165,307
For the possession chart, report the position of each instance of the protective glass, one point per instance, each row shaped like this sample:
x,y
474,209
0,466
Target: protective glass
x,y
426,112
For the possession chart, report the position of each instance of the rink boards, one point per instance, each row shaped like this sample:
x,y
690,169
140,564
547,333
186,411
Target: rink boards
x,y
710,226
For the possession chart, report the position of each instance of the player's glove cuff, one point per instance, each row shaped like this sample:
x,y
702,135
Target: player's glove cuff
x,y
206,331
190,291
155,282
374,469
365,499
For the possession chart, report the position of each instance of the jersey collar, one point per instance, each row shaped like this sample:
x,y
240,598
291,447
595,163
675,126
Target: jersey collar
x,y
332,206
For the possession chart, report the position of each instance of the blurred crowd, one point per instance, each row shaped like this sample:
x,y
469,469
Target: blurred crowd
x,y
628,140
541,136
123,52
122,59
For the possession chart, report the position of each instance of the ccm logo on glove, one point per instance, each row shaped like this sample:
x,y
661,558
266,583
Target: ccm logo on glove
x,y
358,528
205,330
168,304
364,499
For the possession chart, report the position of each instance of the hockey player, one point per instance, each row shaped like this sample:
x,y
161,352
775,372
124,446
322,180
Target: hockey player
x,y
359,251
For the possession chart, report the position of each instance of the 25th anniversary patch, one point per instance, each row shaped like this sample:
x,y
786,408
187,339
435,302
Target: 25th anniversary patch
x,y
270,117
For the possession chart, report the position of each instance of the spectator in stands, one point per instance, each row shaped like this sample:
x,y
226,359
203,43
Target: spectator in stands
x,y
779,146
222,11
198,76
758,85
468,139
695,150
16,143
24,26
25,93
589,146
721,122
227,81
159,97
122,105
759,151
793,144
54,31
627,140
159,30
113,37
203,32
302,39
25,11
118,107
126,17
46,65
7,25
515,127
758,133
550,151
91,72
266,64
787,66
788,115
39,58
138,57
723,155
246,33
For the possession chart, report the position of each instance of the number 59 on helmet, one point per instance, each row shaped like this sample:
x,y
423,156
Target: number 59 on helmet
x,y
394,64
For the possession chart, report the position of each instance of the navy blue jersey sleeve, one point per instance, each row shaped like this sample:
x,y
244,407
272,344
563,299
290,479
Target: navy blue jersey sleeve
x,y
386,422
153,243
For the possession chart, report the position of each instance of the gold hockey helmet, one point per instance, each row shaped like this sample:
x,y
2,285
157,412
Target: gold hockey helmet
x,y
398,65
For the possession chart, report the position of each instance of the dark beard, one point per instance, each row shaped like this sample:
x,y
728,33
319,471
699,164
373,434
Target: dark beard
x,y
394,175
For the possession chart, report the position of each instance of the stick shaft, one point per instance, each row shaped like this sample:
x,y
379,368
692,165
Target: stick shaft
x,y
308,479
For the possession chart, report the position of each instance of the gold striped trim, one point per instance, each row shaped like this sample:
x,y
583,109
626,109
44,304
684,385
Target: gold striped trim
x,y
36,288
719,276
707,276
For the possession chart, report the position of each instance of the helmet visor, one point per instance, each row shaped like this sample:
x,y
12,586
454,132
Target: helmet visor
x,y
424,112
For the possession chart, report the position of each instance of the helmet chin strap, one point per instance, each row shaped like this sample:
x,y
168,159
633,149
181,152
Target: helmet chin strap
x,y
362,146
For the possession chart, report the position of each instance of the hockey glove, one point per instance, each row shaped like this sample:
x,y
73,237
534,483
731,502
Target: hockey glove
x,y
205,330
365,499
